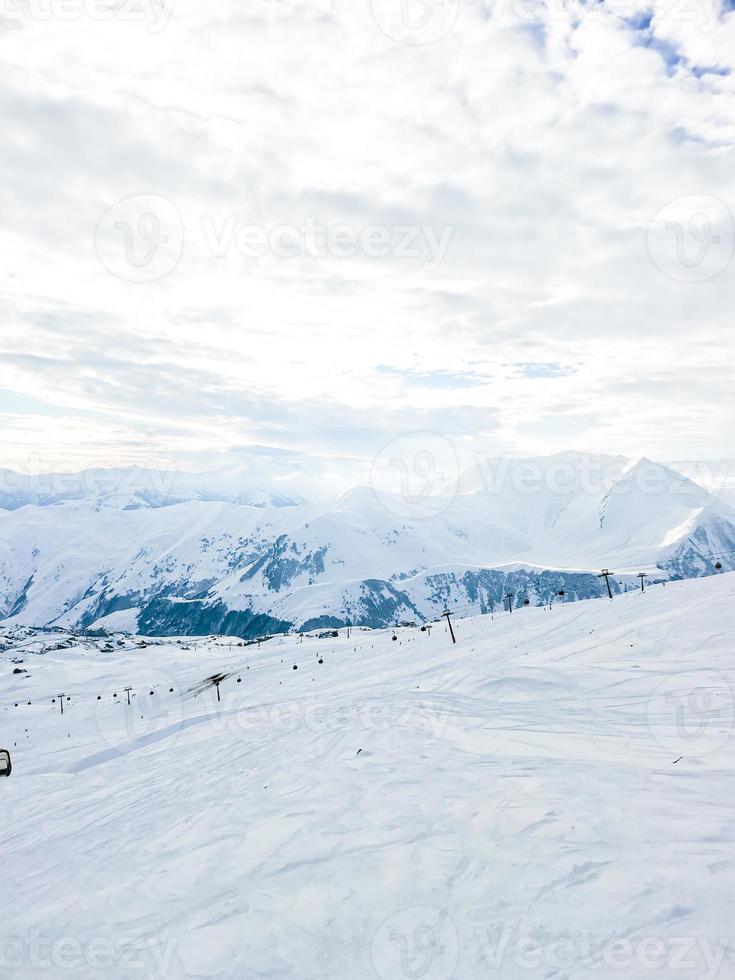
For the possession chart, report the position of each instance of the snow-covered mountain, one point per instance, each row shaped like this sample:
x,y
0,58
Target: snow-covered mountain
x,y
133,487
174,554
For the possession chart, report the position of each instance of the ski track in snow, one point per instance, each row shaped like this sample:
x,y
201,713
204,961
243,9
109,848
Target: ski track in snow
x,y
508,807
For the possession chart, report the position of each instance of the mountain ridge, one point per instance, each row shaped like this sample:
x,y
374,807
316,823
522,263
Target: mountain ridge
x,y
240,561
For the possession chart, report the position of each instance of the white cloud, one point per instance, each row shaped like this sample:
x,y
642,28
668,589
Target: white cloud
x,y
544,138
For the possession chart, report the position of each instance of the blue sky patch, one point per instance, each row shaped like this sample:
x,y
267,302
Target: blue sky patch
x,y
644,37
700,70
641,21
552,369
13,403
433,379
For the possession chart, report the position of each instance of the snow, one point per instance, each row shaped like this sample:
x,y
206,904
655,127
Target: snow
x,y
79,559
550,797
122,621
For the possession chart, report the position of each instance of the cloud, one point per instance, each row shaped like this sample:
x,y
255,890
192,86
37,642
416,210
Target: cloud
x,y
543,139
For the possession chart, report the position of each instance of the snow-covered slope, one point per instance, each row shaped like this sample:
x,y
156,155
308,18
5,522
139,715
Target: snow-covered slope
x,y
550,797
717,476
256,563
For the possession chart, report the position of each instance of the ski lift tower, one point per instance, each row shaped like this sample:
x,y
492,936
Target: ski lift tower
x,y
447,613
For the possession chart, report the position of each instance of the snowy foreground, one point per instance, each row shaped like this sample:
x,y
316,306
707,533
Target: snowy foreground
x,y
552,797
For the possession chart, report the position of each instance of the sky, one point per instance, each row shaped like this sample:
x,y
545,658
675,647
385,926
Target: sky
x,y
323,228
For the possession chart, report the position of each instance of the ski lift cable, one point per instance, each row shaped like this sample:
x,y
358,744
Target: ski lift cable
x,y
662,563
236,672
622,568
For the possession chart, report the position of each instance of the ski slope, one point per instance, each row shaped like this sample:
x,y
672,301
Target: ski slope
x,y
551,797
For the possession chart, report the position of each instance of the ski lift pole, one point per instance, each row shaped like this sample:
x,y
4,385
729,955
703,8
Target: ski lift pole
x,y
606,573
447,613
